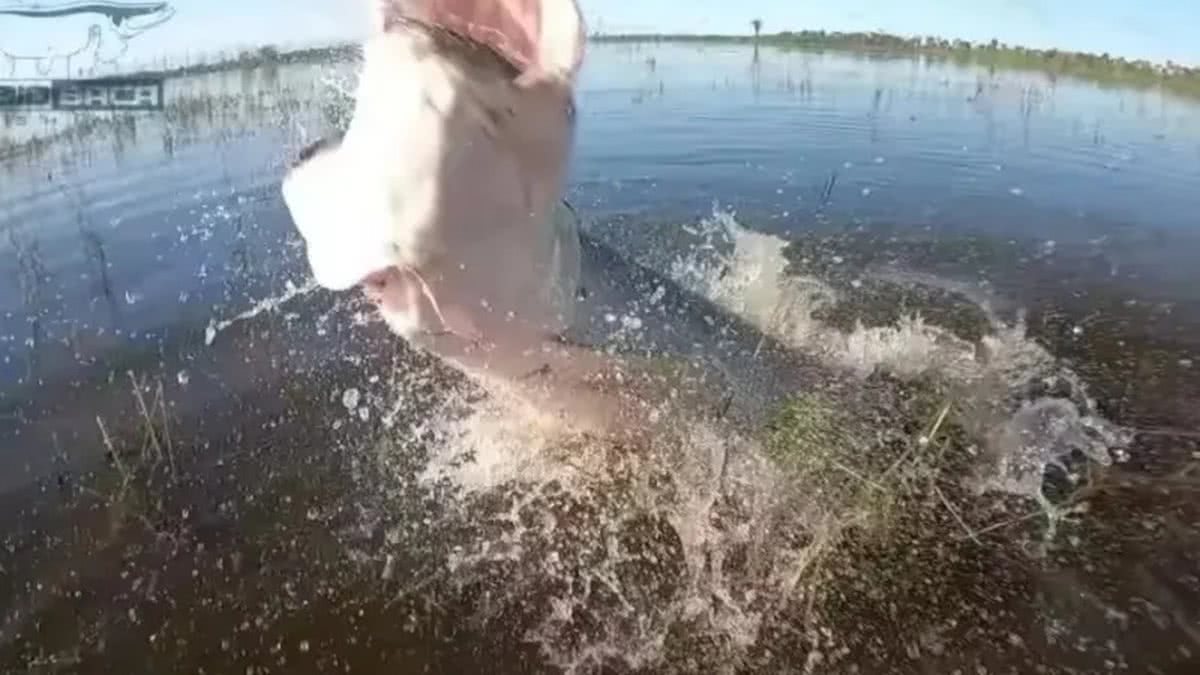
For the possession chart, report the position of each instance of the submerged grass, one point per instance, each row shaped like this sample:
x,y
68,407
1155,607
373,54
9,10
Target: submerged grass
x,y
142,468
863,477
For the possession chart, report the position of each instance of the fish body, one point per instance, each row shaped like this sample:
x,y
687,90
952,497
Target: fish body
x,y
439,197
443,201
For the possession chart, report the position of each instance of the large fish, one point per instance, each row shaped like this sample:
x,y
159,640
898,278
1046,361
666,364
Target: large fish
x,y
440,198
443,201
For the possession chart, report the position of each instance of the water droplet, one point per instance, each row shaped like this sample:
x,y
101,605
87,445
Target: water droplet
x,y
350,398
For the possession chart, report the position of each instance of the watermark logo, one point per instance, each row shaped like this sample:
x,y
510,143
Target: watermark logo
x,y
104,94
71,38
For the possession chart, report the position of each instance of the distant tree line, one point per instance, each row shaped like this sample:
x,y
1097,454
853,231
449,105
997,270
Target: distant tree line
x,y
1099,67
1104,67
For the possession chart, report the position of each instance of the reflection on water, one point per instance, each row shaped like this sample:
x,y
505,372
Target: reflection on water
x,y
209,465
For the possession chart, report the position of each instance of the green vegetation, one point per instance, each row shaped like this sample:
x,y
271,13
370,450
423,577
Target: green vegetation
x,y
861,480
1101,68
818,444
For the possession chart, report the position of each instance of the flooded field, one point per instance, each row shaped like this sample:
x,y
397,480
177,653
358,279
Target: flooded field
x,y
987,459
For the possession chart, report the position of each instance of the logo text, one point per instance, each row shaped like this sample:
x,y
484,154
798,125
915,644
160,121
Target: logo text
x,y
110,93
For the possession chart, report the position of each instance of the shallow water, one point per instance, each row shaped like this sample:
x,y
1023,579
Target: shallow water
x,y
313,509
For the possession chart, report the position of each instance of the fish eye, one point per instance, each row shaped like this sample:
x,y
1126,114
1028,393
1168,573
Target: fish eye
x,y
311,150
307,152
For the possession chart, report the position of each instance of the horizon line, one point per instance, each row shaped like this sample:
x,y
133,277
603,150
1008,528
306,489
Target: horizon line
x,y
318,43
810,31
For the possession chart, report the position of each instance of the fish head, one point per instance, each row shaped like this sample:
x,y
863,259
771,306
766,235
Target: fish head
x,y
439,199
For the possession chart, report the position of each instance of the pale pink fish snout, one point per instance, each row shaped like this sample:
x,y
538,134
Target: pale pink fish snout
x,y
440,199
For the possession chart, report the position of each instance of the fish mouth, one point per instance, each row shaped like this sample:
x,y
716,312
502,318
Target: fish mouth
x,y
403,297
384,287
391,291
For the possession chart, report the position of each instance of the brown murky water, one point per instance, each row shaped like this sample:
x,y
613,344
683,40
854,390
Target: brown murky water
x,y
289,493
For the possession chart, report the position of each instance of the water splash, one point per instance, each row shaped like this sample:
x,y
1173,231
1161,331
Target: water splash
x,y
611,560
999,379
265,305
689,549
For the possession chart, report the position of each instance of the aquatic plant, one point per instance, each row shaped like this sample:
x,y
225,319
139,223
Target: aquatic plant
x,y
187,116
264,56
859,476
140,461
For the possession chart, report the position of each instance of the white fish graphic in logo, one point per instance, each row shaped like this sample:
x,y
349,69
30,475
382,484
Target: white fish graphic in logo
x,y
61,38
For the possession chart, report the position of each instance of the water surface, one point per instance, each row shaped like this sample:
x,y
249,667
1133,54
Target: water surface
x,y
280,516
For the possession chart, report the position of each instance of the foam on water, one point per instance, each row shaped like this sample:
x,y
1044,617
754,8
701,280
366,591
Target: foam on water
x,y
269,304
744,541
503,439
746,273
565,534
747,541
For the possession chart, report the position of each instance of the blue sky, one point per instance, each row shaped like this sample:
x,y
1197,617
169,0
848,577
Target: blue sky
x,y
1154,29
